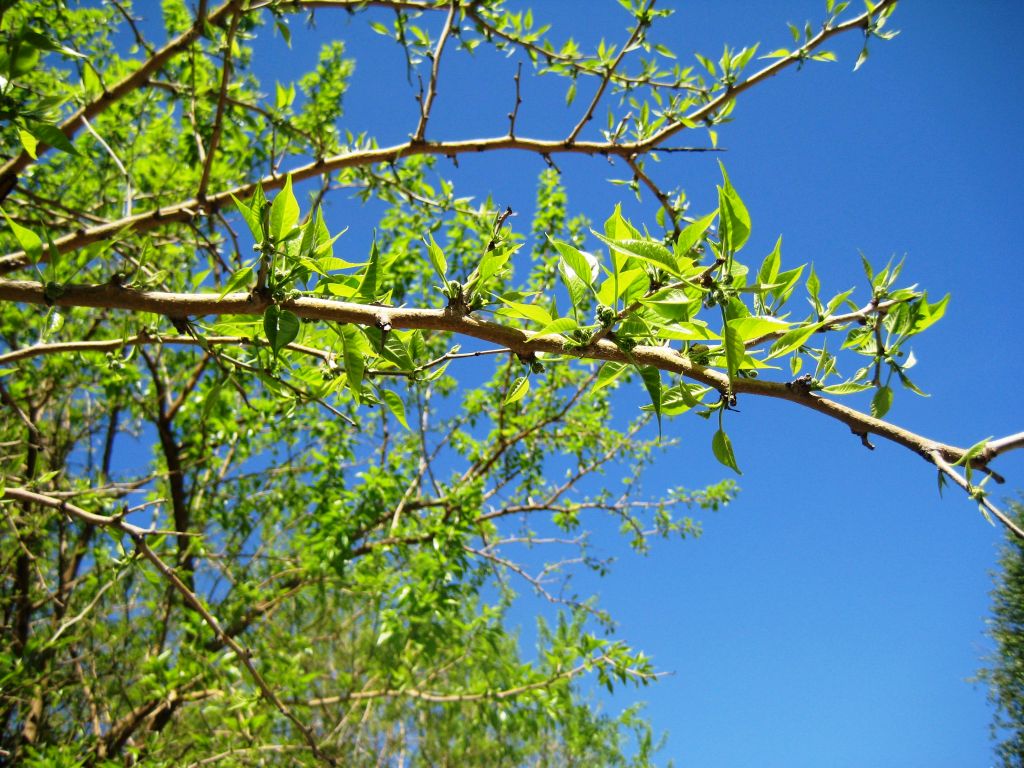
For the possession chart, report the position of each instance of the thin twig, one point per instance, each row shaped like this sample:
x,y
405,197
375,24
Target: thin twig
x,y
634,37
428,102
974,492
515,109
218,119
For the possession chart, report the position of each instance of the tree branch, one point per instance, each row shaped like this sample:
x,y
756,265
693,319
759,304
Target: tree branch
x,y
515,339
10,171
139,539
428,102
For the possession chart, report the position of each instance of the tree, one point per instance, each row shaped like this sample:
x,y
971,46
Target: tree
x,y
1005,676
316,562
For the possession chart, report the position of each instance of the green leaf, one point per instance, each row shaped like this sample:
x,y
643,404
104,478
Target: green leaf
x,y
561,325
732,344
395,405
928,314
573,284
750,328
785,282
29,142
861,58
733,218
353,345
617,228
239,279
881,402
284,212
681,398
53,136
693,234
280,326
253,219
316,240
492,263
721,446
437,260
609,372
770,266
29,241
846,388
792,339
972,452
583,264
652,382
671,303
649,251
813,289
369,284
533,312
518,390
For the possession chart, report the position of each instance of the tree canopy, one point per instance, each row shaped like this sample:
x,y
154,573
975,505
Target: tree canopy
x,y
269,493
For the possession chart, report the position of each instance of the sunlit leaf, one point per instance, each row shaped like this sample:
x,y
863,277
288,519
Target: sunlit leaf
x,y
721,446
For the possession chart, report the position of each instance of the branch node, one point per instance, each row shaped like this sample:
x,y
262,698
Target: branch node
x,y
801,385
864,439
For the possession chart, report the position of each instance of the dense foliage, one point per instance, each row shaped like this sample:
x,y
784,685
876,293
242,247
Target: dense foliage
x,y
270,501
1005,675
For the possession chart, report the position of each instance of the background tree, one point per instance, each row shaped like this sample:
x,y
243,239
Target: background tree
x,y
316,562
1005,676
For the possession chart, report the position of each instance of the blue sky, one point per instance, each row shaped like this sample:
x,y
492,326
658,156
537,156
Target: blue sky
x,y
834,613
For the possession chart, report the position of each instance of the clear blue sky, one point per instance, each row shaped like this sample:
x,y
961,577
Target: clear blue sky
x,y
834,613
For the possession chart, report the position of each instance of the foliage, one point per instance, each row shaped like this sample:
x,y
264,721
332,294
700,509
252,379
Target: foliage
x,y
1005,676
271,501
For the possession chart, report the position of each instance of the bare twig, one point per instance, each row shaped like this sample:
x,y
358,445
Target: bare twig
x,y
428,102
515,109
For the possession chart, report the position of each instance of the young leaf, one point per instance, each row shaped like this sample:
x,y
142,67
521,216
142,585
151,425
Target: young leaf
x,y
652,382
280,326
518,390
750,328
733,218
253,219
846,388
533,312
671,303
369,284
29,142
561,325
732,343
608,374
353,344
770,266
573,284
395,405
284,212
47,133
721,446
693,234
971,452
650,251
792,340
881,402
583,264
437,260
238,280
29,241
